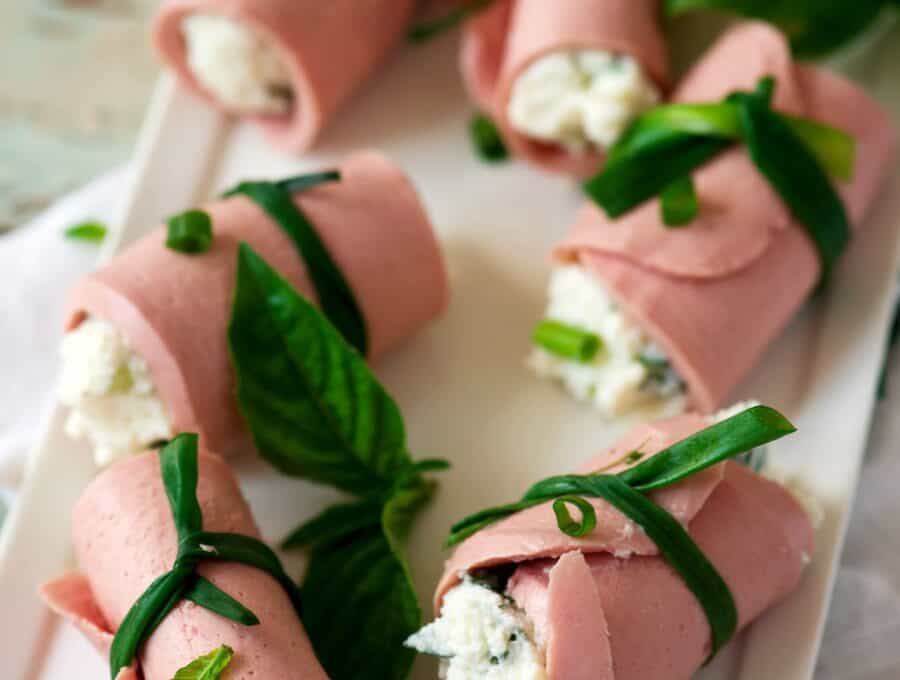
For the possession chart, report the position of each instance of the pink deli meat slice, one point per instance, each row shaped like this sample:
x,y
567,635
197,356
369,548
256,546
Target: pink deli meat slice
x,y
502,41
125,538
329,48
611,614
715,294
173,309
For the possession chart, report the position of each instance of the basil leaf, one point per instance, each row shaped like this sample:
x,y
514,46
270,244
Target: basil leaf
x,y
798,178
92,232
190,232
208,667
332,290
359,607
178,463
487,140
682,554
313,406
205,545
747,430
815,27
430,29
209,596
145,615
679,203
569,342
336,524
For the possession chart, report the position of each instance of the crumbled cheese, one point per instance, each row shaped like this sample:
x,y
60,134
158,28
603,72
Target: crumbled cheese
x,y
580,98
628,372
110,392
481,635
236,65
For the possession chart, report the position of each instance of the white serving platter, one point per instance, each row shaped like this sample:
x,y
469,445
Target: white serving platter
x,y
462,383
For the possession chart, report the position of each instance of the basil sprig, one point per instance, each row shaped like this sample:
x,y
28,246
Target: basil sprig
x,y
316,411
207,667
190,232
332,289
429,29
626,492
657,153
179,467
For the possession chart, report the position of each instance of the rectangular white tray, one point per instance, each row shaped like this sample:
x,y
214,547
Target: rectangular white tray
x,y
462,384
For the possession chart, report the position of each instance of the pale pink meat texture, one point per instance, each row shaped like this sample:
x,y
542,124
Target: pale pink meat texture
x,y
717,292
125,538
329,48
502,41
607,606
173,309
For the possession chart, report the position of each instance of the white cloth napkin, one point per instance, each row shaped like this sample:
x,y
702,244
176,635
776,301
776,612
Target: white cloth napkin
x,y
37,265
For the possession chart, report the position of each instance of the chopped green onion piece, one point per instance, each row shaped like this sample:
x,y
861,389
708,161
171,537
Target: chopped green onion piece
x,y
487,140
92,232
190,232
567,341
429,29
679,203
564,519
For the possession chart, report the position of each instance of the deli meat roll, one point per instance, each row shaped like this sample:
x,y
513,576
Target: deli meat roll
x,y
289,64
125,538
562,80
146,354
688,312
532,603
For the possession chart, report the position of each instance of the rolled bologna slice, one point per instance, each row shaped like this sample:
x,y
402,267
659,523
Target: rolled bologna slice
x,y
124,538
715,294
173,309
608,606
243,55
503,42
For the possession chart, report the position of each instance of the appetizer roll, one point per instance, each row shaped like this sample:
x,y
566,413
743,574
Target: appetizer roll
x,y
125,539
521,599
146,353
289,64
562,80
689,311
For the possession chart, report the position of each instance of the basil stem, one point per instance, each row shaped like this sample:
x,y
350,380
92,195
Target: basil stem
x,y
430,29
334,293
567,341
487,140
679,203
798,178
190,232
92,232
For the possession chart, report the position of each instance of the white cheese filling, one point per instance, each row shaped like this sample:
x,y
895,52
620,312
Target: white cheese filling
x,y
236,65
110,392
629,371
482,635
580,98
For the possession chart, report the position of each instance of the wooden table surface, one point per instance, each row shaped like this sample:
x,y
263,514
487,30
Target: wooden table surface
x,y
75,78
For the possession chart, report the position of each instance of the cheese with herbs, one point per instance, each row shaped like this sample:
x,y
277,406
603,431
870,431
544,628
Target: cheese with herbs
x,y
110,392
236,65
580,98
629,371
